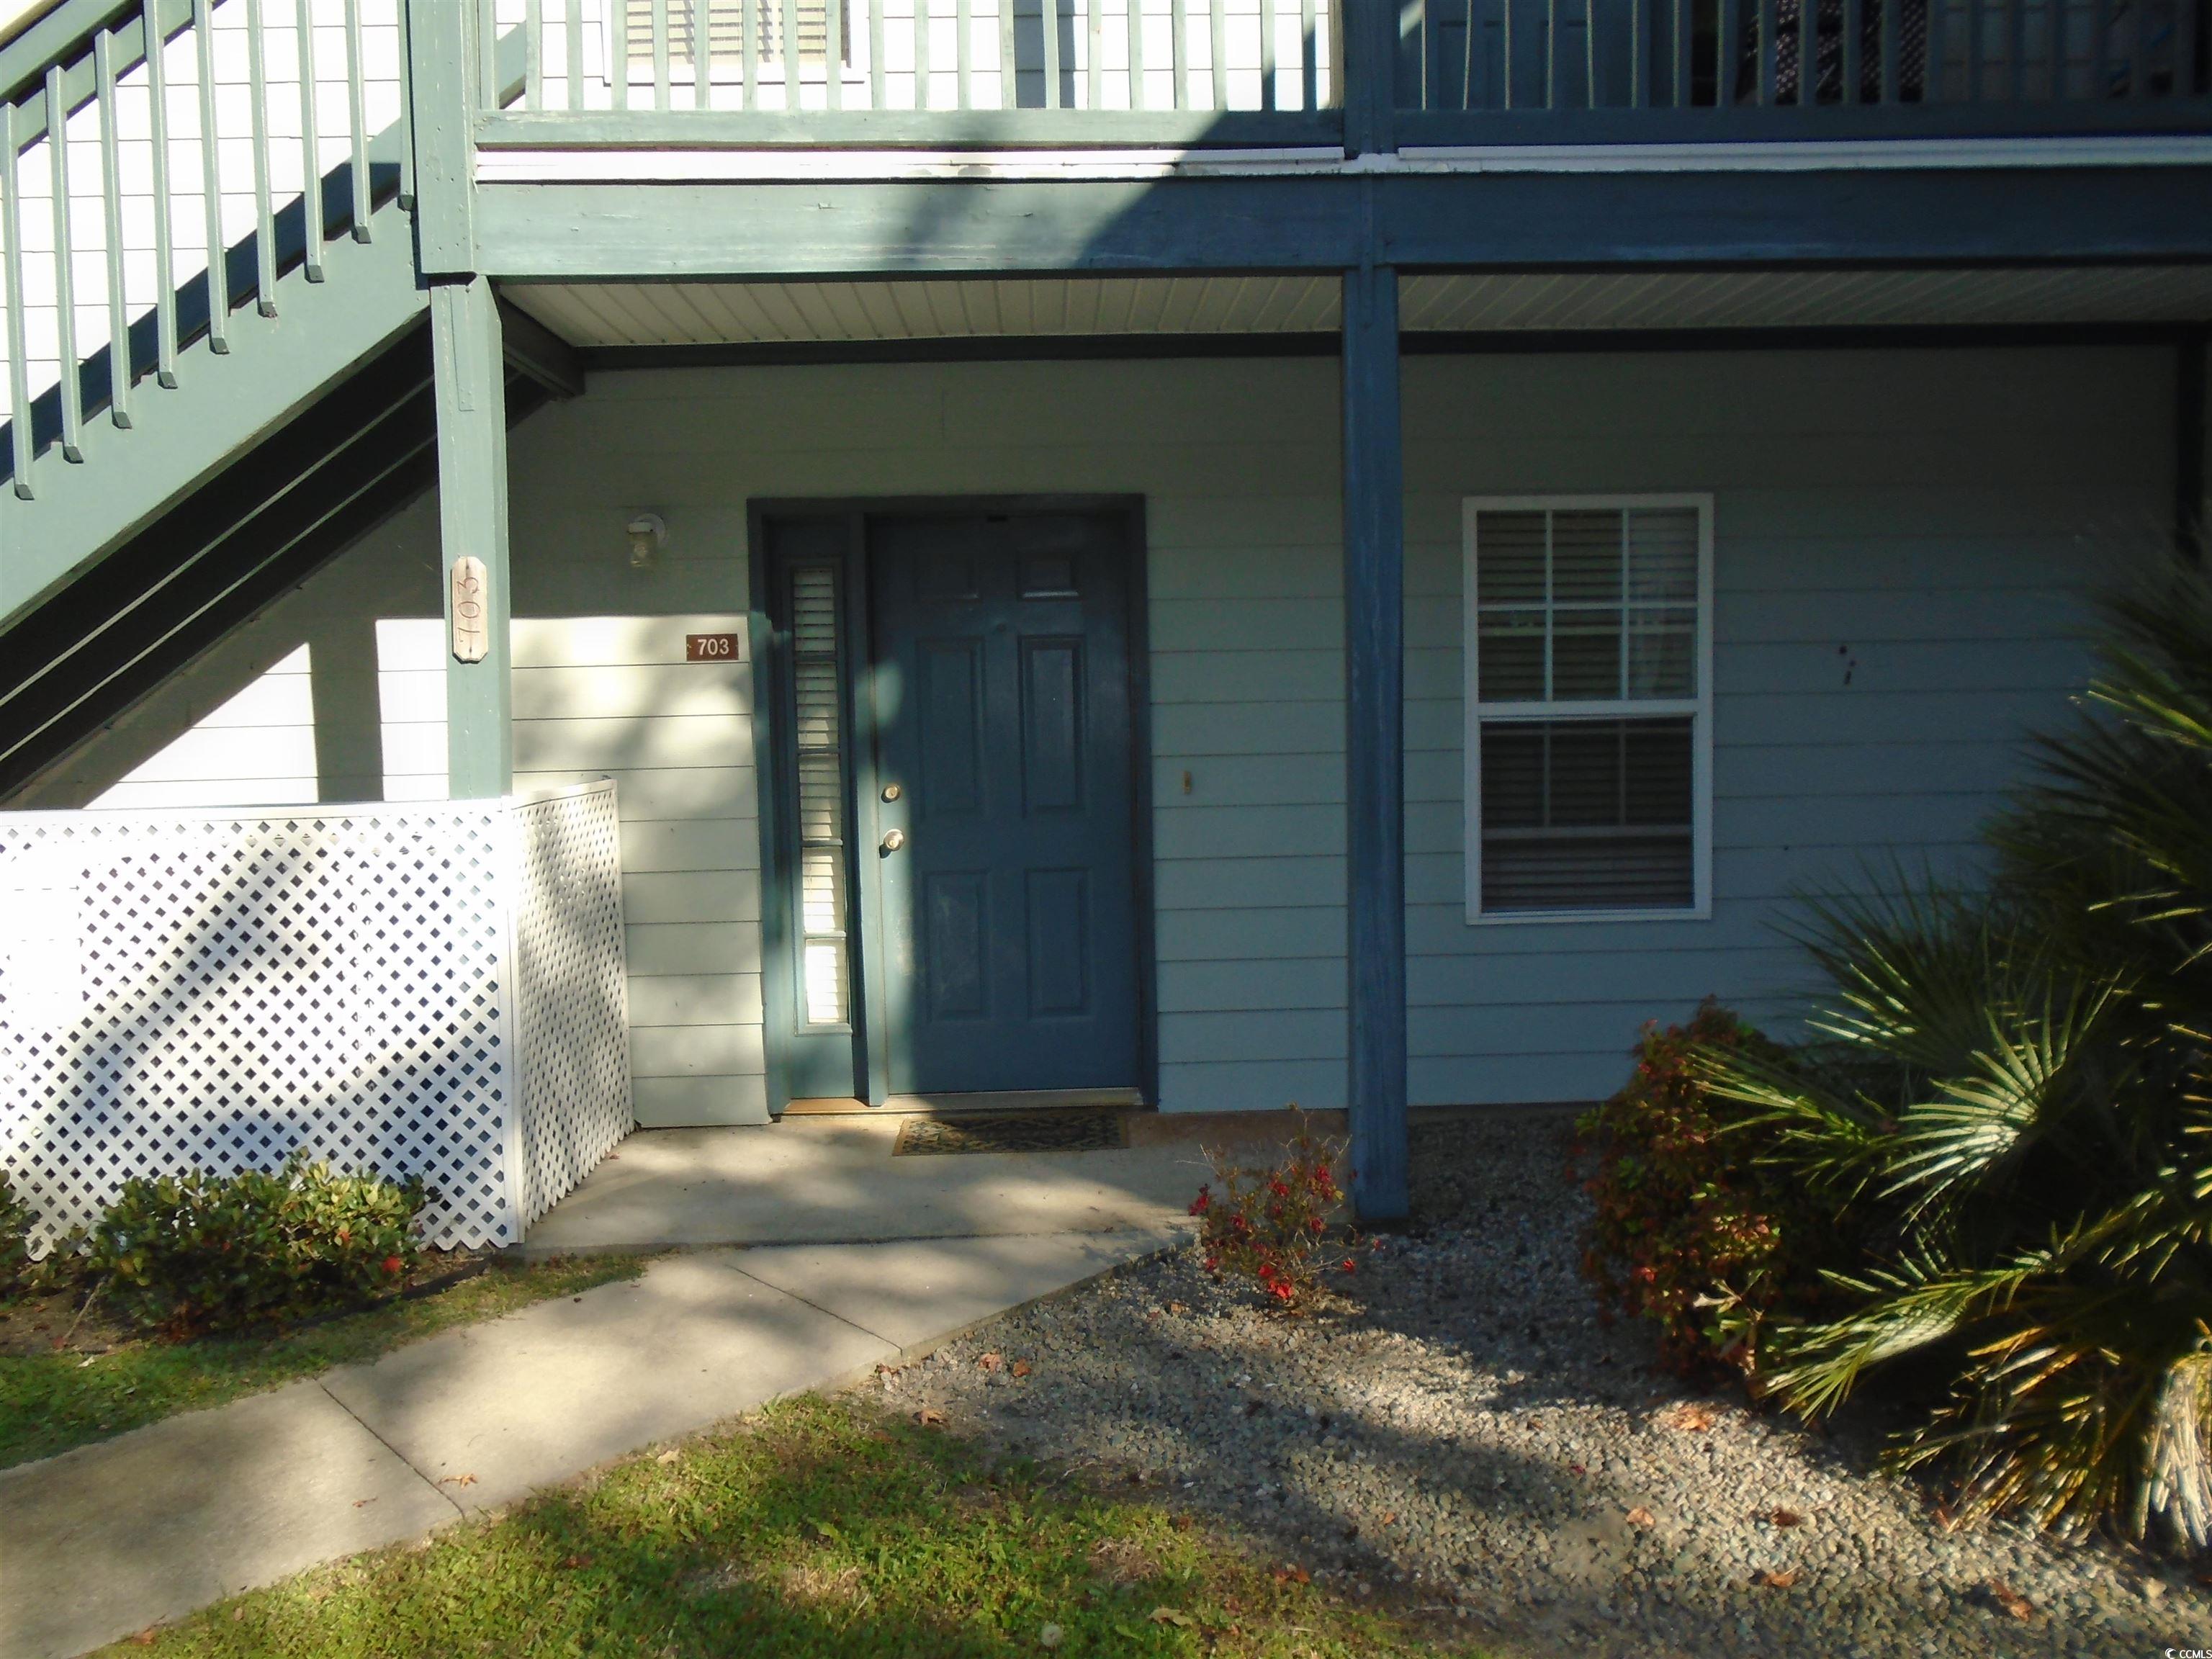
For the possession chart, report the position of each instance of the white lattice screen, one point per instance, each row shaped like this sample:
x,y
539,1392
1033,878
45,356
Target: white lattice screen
x,y
430,989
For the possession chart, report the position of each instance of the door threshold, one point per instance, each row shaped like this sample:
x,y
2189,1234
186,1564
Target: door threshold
x,y
956,1105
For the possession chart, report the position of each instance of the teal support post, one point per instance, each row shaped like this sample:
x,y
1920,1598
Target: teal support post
x,y
441,54
1368,32
1375,719
471,396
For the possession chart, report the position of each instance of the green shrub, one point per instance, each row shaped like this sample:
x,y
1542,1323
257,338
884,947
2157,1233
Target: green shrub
x,y
2021,1125
1691,1230
187,1255
1271,1227
15,1240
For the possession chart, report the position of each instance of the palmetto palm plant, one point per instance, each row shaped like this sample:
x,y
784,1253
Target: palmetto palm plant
x,y
2010,1103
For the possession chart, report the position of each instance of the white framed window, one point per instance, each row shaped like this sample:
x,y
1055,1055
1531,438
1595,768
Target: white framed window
x,y
1589,647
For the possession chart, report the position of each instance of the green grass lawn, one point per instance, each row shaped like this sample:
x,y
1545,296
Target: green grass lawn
x,y
814,1528
52,1401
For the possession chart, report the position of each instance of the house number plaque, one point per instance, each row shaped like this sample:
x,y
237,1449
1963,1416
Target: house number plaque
x,y
472,619
710,648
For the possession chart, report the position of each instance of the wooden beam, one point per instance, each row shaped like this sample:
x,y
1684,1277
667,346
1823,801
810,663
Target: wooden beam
x,y
471,386
1374,765
901,129
535,350
1550,221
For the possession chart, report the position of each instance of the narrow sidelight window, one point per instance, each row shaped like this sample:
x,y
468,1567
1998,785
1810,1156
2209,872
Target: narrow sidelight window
x,y
818,725
1589,641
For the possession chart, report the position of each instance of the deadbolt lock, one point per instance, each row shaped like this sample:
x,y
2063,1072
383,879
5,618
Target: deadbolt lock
x,y
890,791
894,840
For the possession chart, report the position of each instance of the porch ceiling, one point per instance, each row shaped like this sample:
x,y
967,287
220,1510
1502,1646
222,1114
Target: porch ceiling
x,y
678,314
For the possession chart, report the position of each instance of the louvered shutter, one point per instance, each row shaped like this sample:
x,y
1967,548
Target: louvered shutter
x,y
724,21
818,727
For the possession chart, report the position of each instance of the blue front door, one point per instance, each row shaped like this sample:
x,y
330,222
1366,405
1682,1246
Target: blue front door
x,y
1000,683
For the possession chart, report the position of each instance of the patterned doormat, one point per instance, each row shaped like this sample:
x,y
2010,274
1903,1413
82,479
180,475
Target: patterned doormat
x,y
1056,1131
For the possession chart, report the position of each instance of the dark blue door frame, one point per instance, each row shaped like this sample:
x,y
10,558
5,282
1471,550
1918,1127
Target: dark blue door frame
x,y
852,1059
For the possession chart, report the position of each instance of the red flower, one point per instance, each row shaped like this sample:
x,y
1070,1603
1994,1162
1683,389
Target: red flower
x,y
1202,1203
1277,1187
1282,1290
1348,1266
1316,1226
392,1264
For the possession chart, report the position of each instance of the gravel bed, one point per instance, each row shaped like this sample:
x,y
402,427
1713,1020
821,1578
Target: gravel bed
x,y
1468,1436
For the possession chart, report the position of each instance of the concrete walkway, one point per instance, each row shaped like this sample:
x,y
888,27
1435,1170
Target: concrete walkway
x,y
834,1179
111,1538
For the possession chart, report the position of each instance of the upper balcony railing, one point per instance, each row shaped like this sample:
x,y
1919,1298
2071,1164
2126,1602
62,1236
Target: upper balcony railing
x,y
1582,71
977,73
937,73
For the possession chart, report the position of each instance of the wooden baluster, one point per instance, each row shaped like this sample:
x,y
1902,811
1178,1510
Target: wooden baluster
x,y
833,50
572,70
921,54
1551,53
875,53
264,212
750,19
534,54
1931,68
1217,27
1769,53
111,194
19,368
357,121
1728,54
2184,48
2016,48
964,54
1680,68
1854,24
660,53
406,112
1808,53
618,16
1890,24
1266,52
1977,26
1048,24
164,260
1135,52
1095,68
310,159
2139,50
1309,59
1009,94
72,388
1590,53
1179,50
218,261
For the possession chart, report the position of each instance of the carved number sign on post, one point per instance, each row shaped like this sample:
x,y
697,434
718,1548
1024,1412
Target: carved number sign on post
x,y
471,628
710,648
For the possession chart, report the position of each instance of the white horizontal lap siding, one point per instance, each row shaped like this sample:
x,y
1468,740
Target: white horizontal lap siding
x,y
1236,463
1903,542
612,696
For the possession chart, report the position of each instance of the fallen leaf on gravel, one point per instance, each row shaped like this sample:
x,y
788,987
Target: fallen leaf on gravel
x,y
2010,1600
1292,1576
1640,1516
1390,1518
930,1418
1577,1468
1021,1367
362,1503
992,1360
1177,1308
1787,1518
1690,1417
1169,1616
458,1480
143,1638
1781,1580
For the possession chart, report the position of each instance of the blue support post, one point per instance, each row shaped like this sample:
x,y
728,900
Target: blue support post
x,y
469,365
1367,59
1375,718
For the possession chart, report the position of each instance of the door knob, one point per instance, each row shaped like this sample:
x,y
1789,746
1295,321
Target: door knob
x,y
894,840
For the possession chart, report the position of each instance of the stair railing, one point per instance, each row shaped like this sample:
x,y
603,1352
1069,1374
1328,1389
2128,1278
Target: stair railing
x,y
164,162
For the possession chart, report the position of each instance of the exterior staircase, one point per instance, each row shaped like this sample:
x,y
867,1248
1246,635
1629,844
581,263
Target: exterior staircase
x,y
228,433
